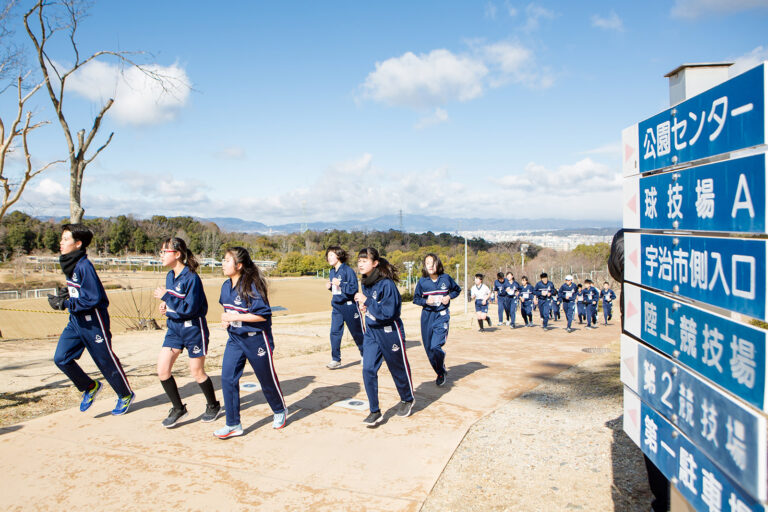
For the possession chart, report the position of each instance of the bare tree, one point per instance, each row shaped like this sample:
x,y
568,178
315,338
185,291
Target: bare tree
x,y
14,130
42,22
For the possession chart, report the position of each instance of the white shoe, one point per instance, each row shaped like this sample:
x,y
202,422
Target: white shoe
x,y
333,365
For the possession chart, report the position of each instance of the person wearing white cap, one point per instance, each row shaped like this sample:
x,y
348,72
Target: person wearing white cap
x,y
567,293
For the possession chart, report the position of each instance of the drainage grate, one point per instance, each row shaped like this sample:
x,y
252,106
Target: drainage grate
x,y
596,350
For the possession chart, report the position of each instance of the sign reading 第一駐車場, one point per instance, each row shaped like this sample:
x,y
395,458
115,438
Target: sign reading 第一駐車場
x,y
690,471
726,118
728,273
728,196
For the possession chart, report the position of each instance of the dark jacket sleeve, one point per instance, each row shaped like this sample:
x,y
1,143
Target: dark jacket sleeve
x,y
418,298
190,305
90,294
385,309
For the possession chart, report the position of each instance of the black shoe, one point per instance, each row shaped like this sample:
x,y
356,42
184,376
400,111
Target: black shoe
x,y
373,419
174,416
404,408
212,412
609,317
440,380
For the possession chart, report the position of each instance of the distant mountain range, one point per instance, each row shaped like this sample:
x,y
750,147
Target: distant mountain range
x,y
424,223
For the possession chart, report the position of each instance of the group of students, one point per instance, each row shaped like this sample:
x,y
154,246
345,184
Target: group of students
x,y
247,318
371,313
544,296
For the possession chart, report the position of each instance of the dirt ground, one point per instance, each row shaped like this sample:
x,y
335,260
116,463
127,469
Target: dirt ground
x,y
557,446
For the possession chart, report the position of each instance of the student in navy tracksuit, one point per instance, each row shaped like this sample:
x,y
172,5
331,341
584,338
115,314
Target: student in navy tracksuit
x,y
581,306
544,291
591,296
248,320
499,285
433,293
88,326
512,292
567,294
555,306
342,282
608,297
185,306
384,338
527,297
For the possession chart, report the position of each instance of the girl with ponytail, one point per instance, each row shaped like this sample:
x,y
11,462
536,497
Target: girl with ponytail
x,y
247,318
384,336
185,306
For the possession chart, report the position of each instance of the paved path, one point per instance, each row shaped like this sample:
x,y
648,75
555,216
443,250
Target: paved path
x,y
324,459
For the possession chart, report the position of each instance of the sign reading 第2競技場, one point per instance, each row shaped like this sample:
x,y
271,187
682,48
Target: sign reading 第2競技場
x,y
723,119
727,196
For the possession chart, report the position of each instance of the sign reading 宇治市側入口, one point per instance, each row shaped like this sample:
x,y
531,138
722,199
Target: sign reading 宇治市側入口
x,y
726,118
728,273
728,196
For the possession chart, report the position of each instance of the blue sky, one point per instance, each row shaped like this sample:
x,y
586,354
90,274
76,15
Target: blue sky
x,y
323,111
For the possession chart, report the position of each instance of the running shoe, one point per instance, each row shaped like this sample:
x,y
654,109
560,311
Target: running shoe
x,y
440,380
333,365
278,421
373,419
175,415
123,403
226,431
212,411
89,395
404,408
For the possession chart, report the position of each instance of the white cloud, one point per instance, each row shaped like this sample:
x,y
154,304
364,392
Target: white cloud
x,y
583,177
231,153
49,188
437,117
748,61
610,22
434,79
139,98
425,79
534,15
696,8
510,10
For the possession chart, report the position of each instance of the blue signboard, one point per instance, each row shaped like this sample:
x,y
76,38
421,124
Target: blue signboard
x,y
725,272
731,435
728,117
697,478
726,196
729,353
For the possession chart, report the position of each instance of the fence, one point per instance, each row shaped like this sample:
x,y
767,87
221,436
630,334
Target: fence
x,y
40,292
13,294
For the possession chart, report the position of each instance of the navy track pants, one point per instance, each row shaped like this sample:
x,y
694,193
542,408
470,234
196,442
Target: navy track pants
x,y
388,344
434,334
345,313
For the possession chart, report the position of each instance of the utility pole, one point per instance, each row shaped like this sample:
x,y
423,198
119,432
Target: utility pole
x,y
466,290
457,273
409,267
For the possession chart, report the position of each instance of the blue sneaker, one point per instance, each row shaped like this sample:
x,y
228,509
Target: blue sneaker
x,y
88,397
279,419
123,403
226,431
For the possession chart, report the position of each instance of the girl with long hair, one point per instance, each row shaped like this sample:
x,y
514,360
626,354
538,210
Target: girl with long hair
x,y
248,319
433,293
342,282
384,336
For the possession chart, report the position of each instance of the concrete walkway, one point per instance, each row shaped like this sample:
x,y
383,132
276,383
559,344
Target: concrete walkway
x,y
324,459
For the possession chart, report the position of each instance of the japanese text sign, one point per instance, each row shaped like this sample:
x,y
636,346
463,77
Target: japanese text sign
x,y
728,117
727,352
726,196
698,479
725,272
731,434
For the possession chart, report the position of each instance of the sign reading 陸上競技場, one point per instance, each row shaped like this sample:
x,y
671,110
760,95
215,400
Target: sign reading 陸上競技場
x,y
731,434
703,484
726,118
729,353
728,196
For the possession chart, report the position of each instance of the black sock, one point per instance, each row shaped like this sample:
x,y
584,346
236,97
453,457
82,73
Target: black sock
x,y
169,385
479,321
207,387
